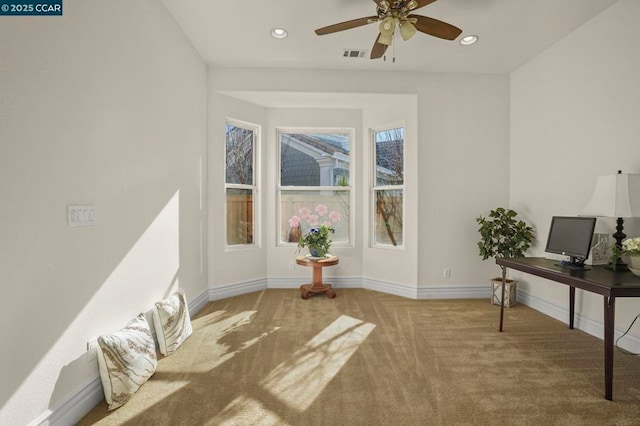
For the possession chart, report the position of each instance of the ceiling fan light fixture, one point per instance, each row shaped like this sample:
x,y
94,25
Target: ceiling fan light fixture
x,y
385,39
407,30
411,5
387,25
468,40
279,33
384,6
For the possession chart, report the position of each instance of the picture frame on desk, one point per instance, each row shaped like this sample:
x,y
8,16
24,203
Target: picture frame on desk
x,y
600,252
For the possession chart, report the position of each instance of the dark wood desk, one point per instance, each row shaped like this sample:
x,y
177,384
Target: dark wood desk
x,y
597,280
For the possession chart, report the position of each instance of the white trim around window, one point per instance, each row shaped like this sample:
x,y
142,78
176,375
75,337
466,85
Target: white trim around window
x,y
394,183
338,159
252,187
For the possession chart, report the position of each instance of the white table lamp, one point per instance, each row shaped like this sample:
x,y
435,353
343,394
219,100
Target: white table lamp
x,y
616,196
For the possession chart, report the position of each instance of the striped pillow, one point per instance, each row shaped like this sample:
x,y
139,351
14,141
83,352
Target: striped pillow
x,y
172,322
126,358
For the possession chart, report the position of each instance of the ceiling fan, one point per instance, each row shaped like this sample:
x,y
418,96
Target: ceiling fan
x,y
392,13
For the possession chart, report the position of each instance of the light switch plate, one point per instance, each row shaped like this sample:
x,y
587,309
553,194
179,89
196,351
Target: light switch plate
x,y
81,216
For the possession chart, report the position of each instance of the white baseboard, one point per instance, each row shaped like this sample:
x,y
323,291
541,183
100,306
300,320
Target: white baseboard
x,y
442,292
296,282
455,292
390,288
581,322
74,407
199,302
547,308
236,289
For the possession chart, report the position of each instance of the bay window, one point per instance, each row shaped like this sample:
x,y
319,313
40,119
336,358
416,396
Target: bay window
x,y
240,183
388,187
315,183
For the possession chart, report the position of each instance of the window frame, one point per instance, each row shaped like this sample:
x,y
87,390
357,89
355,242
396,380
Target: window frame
x,y
350,132
374,187
255,187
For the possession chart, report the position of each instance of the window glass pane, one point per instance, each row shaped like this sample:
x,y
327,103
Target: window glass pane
x,y
390,157
302,210
314,159
239,216
239,155
388,226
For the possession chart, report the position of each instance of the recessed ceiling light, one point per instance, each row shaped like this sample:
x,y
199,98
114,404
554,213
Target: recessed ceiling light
x,y
468,40
279,33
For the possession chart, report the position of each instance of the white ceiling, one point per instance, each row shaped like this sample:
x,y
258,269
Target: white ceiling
x,y
237,33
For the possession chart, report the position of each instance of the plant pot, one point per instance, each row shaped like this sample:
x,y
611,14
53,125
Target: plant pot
x,y
316,252
509,292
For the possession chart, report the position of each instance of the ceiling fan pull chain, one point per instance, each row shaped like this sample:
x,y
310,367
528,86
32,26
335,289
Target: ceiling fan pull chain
x,y
394,47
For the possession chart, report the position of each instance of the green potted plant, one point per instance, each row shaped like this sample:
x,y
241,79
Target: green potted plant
x,y
630,247
318,240
501,235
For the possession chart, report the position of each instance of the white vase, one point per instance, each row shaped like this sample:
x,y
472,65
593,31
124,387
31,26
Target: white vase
x,y
634,262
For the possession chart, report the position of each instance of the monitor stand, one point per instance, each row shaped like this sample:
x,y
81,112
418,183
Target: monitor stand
x,y
574,264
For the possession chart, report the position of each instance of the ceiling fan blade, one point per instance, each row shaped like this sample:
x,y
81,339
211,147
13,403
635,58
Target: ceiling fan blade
x,y
347,25
378,49
436,28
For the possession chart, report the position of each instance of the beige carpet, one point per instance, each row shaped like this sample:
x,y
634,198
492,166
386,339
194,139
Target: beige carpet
x,y
368,358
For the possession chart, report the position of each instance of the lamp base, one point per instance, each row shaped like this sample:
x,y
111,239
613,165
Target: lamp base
x,y
619,236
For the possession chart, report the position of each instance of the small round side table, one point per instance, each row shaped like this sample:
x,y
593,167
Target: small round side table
x,y
317,286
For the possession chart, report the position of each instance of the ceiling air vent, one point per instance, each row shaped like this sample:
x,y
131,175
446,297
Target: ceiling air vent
x,y
354,53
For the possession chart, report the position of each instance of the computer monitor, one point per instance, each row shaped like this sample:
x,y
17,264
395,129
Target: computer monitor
x,y
571,236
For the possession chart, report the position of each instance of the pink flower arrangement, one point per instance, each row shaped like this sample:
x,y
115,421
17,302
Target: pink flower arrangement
x,y
323,217
294,221
322,210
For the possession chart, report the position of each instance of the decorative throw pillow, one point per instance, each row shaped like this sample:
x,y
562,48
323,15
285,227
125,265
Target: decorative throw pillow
x,y
172,322
126,358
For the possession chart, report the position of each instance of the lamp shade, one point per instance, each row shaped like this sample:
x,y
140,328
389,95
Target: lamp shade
x,y
385,39
615,196
411,5
407,30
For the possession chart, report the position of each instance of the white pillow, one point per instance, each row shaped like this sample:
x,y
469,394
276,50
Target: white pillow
x,y
172,322
126,358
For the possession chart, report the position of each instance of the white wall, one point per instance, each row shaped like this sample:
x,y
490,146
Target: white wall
x,y
104,106
464,172
458,160
574,116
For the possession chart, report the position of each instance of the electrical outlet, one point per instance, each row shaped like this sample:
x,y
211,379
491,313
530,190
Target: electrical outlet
x,y
292,265
446,272
92,350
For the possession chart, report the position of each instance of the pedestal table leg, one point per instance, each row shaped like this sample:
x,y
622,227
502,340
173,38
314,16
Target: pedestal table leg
x,y
317,277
